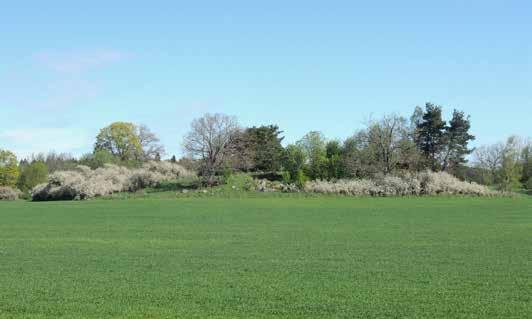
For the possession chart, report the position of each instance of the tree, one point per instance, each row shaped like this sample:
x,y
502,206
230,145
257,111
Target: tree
x,y
150,144
293,162
388,141
333,151
266,148
526,159
430,135
357,158
9,171
503,163
209,139
489,159
32,175
511,167
121,139
53,161
98,159
457,138
313,144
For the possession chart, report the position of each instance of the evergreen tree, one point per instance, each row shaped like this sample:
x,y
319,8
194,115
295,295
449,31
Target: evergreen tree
x,y
266,148
457,138
430,135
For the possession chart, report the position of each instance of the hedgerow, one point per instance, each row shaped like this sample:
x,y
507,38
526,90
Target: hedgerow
x,y
85,183
425,183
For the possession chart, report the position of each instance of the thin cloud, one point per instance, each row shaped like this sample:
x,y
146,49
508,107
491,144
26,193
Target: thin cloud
x,y
76,62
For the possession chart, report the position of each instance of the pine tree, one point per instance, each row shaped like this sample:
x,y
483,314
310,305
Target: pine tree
x,y
457,138
430,135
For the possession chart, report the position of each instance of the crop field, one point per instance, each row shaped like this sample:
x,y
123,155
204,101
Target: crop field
x,y
285,257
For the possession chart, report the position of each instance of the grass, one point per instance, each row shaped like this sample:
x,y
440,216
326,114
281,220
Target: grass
x,y
266,257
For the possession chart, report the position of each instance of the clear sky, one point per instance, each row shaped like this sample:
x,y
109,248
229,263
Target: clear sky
x,y
68,68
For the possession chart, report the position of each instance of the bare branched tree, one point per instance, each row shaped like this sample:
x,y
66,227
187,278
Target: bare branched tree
x,y
388,140
209,140
490,158
150,143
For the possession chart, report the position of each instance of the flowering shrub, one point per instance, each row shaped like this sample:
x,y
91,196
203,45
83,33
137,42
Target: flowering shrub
x,y
8,193
84,183
426,183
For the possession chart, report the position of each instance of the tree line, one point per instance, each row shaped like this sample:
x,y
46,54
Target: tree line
x,y
217,145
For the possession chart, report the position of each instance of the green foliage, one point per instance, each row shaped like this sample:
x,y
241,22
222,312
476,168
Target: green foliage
x,y
313,144
334,160
240,182
300,179
9,171
32,175
430,135
184,183
293,160
121,140
526,160
287,178
265,146
457,139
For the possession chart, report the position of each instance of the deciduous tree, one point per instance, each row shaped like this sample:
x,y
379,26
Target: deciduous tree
x,y
209,139
9,171
121,140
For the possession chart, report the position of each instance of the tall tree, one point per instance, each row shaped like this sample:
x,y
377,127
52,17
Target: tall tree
x,y
32,175
457,138
430,135
488,159
388,140
526,159
333,151
152,149
266,148
293,161
511,167
313,145
120,139
209,140
9,171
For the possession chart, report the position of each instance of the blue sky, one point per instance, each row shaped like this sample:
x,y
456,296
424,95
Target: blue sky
x,y
68,69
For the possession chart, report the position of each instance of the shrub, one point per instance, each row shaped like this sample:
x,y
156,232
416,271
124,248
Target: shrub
x,y
362,187
443,183
426,183
241,182
84,183
300,179
8,193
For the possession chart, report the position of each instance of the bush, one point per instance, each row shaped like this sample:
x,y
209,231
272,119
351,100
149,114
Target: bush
x,y
8,193
241,182
32,175
84,183
426,183
300,179
443,183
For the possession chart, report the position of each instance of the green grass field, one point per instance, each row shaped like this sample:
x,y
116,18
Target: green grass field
x,y
267,258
